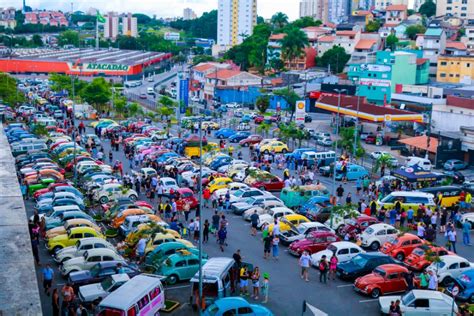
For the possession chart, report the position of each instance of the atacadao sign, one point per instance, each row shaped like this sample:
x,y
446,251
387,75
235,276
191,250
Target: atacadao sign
x,y
98,67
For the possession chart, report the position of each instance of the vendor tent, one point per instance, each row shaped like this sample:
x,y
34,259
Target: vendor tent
x,y
415,174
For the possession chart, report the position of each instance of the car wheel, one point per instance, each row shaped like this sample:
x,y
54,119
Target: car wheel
x,y
172,279
57,248
284,151
447,281
375,246
133,197
104,200
375,293
400,256
246,144
340,229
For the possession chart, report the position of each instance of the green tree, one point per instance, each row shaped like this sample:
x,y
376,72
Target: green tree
x,y
142,18
305,22
120,104
9,92
205,26
97,92
68,37
336,58
128,42
391,41
279,20
412,30
372,26
293,44
202,59
290,97
168,102
37,41
346,141
428,8
65,82
384,161
133,108
262,103
263,128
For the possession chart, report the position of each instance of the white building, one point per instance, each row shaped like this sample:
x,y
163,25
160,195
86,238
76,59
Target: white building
x,y
317,9
457,8
338,11
129,25
111,26
189,14
236,20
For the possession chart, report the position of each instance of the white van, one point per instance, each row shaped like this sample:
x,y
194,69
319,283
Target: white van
x,y
150,90
423,163
142,295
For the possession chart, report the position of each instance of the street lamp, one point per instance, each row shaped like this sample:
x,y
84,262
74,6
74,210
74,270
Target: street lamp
x,y
339,91
356,130
200,215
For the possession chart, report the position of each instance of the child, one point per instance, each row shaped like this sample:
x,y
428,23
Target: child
x,y
265,285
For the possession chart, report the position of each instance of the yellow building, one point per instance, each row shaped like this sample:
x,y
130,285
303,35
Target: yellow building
x,y
455,69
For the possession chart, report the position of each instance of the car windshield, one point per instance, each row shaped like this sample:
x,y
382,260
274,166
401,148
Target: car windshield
x,y
107,283
419,252
250,200
238,193
359,261
438,265
212,310
407,298
380,272
393,240
352,222
332,248
95,270
369,231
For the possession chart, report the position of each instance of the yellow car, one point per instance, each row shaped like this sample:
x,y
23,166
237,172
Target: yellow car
x,y
77,222
212,125
274,146
294,219
144,230
94,124
219,183
160,238
71,237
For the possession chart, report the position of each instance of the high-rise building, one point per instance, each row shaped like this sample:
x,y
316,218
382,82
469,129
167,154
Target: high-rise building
x,y
129,25
338,11
111,26
317,9
189,14
461,9
236,19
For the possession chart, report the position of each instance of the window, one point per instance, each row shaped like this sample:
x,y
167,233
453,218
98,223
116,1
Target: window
x,y
94,259
155,292
86,247
230,312
193,262
406,243
76,236
143,302
98,245
454,266
443,63
392,276
442,75
381,232
391,231
464,265
355,250
180,263
422,302
89,235
415,242
108,258
343,252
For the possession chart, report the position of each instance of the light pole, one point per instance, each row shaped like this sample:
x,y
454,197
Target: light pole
x,y
200,215
339,91
356,130
74,131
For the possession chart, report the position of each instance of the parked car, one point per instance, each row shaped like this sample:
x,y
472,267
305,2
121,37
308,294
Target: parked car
x,y
355,226
465,283
418,259
224,133
300,231
250,140
449,268
96,292
181,266
89,259
455,164
80,247
114,191
420,302
70,223
314,242
362,264
385,279
237,137
376,235
73,235
236,306
344,251
402,246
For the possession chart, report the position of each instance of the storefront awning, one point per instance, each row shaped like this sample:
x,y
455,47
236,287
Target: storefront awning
x,y
415,175
421,142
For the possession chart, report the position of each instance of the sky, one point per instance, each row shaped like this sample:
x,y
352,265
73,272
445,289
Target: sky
x,y
162,8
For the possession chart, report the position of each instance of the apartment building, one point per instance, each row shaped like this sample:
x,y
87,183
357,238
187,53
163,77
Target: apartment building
x,y
455,8
111,26
455,69
129,25
236,20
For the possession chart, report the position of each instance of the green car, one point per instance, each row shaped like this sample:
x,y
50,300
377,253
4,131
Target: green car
x,y
41,184
161,252
181,266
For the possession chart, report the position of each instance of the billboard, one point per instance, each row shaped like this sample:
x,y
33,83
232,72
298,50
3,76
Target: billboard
x,y
183,95
375,82
300,111
375,67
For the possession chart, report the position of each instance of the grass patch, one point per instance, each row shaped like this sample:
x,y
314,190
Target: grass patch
x,y
170,306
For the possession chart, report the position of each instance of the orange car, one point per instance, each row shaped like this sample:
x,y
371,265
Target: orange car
x,y
418,260
45,173
402,246
120,218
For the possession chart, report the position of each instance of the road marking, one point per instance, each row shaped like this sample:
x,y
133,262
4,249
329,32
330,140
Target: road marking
x,y
178,287
368,301
345,285
60,283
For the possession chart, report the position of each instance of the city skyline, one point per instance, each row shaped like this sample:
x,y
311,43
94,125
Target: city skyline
x,y
265,8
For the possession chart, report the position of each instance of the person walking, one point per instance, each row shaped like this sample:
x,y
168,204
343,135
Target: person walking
x,y
275,247
451,236
409,277
254,220
265,287
267,243
55,302
215,222
244,276
205,231
424,280
466,229
323,270
48,275
332,266
221,236
68,295
255,277
304,263
34,247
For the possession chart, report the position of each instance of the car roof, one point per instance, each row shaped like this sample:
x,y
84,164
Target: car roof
x,y
82,229
235,302
428,294
373,255
93,251
452,258
412,193
389,268
344,244
378,226
407,236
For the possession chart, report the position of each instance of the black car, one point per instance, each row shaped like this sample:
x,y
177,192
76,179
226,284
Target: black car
x,y
237,137
363,264
308,118
98,273
458,177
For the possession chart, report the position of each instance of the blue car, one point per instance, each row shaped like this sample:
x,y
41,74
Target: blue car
x,y
224,133
220,161
296,154
465,282
246,119
237,137
236,306
353,172
165,157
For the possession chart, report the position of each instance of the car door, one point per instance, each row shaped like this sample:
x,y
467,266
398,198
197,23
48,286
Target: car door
x,y
352,253
74,238
343,254
180,268
193,266
91,261
463,266
419,307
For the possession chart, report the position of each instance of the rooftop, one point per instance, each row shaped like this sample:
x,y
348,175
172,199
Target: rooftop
x,y
434,32
456,45
277,37
328,39
396,7
366,44
346,33
223,74
421,61
203,67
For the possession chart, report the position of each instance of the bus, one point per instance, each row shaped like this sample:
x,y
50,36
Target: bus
x,y
143,295
451,194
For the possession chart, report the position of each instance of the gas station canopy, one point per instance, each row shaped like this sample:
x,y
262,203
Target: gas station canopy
x,y
350,105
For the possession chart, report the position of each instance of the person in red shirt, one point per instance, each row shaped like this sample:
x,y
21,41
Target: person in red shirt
x,y
367,211
206,194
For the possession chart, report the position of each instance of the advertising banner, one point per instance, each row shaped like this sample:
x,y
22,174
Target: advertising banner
x,y
300,112
183,95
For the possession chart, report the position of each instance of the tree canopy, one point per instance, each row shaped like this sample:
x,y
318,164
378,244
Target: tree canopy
x,y
205,26
293,43
306,21
279,20
428,8
372,26
9,93
289,96
142,18
68,37
97,92
412,30
336,58
391,41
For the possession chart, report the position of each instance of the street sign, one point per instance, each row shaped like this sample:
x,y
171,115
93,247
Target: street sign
x,y
300,111
455,291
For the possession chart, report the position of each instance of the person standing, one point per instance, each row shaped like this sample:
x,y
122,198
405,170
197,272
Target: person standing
x,y
254,220
466,229
339,192
451,236
275,247
48,274
215,222
409,279
267,243
221,236
244,276
304,263
255,277
55,302
205,231
68,295
333,266
323,269
34,247
140,249
424,280
433,281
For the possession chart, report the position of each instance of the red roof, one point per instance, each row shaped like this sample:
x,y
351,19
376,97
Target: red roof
x,y
396,7
456,45
203,67
277,37
365,44
460,102
224,74
346,33
362,13
326,39
421,61
421,142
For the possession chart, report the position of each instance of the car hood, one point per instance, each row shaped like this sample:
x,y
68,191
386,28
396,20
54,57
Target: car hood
x,y
92,291
67,250
55,231
368,279
74,261
59,238
349,267
241,205
80,276
300,243
318,255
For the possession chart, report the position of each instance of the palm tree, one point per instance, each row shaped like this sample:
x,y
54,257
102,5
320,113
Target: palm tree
x,y
382,161
293,44
279,20
263,128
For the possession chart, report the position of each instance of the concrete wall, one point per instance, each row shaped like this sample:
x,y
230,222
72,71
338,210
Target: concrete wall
x,y
19,294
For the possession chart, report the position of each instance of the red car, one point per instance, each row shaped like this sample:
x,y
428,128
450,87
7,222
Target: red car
x,y
186,196
385,279
357,225
371,139
418,261
252,139
48,189
273,184
402,246
69,166
258,119
314,242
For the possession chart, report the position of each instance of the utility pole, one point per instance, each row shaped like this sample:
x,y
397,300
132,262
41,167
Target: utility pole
x,y
428,132
74,130
356,130
200,215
